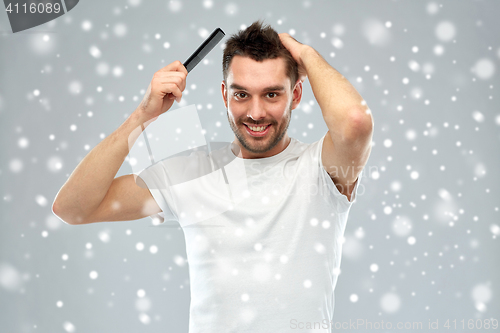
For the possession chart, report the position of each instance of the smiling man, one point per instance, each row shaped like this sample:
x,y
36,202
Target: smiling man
x,y
264,245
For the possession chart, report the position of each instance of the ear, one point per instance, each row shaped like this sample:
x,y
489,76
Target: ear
x,y
224,92
296,94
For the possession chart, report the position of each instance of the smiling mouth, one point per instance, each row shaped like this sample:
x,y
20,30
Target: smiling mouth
x,y
257,128
258,131
261,128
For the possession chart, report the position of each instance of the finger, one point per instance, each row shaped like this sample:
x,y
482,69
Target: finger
x,y
174,90
178,77
164,82
180,67
287,38
171,73
175,66
165,86
282,37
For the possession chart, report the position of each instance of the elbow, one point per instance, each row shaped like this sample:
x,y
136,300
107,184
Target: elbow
x,y
57,212
360,125
64,215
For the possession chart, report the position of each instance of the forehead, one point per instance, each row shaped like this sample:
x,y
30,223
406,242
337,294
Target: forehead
x,y
253,74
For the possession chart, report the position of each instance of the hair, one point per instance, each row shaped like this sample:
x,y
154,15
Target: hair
x,y
259,43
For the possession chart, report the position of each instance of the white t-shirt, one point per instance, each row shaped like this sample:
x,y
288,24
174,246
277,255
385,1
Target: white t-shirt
x,y
263,236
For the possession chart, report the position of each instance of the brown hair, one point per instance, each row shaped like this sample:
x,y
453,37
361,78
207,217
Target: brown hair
x,y
259,43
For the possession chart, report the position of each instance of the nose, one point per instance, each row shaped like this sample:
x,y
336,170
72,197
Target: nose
x,y
257,110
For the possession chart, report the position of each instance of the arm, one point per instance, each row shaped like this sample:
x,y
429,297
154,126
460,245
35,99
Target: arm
x,y
91,194
89,183
347,145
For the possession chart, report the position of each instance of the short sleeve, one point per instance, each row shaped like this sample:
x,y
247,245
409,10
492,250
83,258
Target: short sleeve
x,y
333,194
156,179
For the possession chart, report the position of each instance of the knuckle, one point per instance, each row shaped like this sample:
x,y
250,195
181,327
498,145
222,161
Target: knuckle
x,y
174,87
157,76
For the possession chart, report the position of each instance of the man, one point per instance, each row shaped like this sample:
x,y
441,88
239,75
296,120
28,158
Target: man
x,y
269,260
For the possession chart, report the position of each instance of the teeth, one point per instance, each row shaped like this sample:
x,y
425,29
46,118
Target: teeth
x,y
257,129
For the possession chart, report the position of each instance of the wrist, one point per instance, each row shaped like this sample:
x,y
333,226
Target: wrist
x,y
140,117
306,53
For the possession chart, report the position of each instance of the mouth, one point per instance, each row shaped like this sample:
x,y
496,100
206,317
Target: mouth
x,y
257,131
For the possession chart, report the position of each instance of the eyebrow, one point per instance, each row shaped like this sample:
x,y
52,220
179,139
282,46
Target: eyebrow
x,y
271,88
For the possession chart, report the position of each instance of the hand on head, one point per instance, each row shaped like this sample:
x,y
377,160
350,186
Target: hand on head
x,y
296,49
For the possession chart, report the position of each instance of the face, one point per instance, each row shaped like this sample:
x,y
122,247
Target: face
x,y
259,101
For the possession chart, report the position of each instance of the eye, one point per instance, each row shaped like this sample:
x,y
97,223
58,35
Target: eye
x,y
272,94
240,95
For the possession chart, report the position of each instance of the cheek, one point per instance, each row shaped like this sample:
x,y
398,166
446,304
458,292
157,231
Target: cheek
x,y
279,111
236,109
233,113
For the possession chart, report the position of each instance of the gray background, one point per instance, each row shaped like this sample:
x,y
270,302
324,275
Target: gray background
x,y
432,174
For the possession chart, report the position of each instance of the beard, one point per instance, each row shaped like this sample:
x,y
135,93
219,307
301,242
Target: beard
x,y
258,145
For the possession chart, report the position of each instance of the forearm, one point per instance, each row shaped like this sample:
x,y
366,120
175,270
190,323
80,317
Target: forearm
x,y
343,108
88,184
